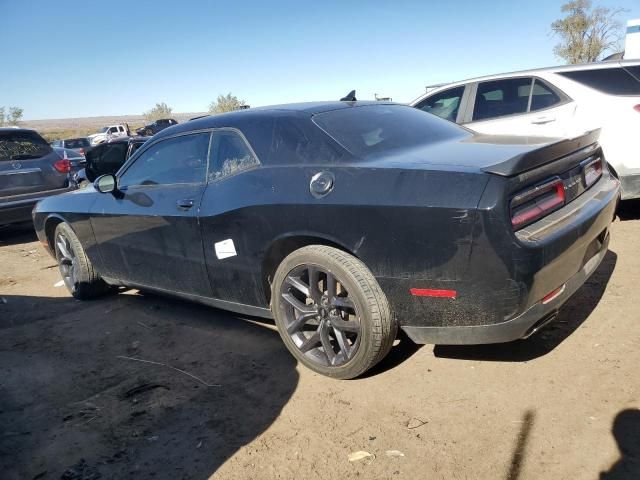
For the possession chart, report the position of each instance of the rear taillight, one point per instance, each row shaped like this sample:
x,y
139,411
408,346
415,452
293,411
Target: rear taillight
x,y
637,108
592,172
535,203
63,165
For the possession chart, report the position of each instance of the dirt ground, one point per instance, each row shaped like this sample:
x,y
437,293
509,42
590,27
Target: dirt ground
x,y
81,396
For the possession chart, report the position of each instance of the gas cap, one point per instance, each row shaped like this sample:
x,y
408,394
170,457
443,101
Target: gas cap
x,y
321,184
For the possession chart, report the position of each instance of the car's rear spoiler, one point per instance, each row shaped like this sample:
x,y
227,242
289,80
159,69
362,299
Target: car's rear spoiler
x,y
543,155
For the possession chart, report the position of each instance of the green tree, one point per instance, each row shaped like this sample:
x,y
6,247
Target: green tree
x,y
226,103
161,110
15,115
586,32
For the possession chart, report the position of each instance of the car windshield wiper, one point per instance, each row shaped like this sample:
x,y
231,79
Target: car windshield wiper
x,y
24,156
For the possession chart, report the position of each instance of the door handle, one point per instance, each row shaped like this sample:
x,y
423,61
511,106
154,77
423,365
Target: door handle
x,y
185,203
543,120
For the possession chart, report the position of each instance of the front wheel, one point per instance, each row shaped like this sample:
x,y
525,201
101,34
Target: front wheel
x,y
330,312
78,274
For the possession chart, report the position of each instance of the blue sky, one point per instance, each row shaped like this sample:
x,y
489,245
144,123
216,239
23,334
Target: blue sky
x,y
78,58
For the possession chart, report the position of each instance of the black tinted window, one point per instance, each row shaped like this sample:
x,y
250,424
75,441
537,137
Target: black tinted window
x,y
76,143
498,98
230,154
635,71
614,81
21,145
444,104
176,160
542,96
372,129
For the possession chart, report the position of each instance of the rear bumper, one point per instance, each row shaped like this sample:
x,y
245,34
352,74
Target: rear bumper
x,y
521,326
17,208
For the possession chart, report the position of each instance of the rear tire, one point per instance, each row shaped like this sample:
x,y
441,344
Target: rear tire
x,y
78,274
331,313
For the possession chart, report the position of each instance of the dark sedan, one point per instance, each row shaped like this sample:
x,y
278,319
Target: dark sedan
x,y
156,126
345,221
29,171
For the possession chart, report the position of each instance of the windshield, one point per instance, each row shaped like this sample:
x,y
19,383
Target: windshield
x,y
370,129
22,145
103,130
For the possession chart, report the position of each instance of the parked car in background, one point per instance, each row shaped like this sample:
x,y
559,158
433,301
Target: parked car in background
x,y
154,127
345,221
80,145
75,160
29,171
554,102
107,133
106,158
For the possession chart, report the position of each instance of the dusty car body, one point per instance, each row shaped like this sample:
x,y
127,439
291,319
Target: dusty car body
x,y
345,221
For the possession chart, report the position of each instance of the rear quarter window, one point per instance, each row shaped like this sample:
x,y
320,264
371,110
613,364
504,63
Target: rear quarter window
x,y
22,146
77,143
612,81
371,129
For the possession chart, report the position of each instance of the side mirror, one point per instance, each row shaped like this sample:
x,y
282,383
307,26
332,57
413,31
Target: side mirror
x,y
106,184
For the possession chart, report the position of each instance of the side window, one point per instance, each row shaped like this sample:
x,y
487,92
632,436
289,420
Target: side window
x,y
614,81
121,129
542,96
113,130
444,104
229,154
498,98
175,160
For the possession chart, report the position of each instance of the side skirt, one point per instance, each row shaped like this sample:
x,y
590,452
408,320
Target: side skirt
x,y
211,302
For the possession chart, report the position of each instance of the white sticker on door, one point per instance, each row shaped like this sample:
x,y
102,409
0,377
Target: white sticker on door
x,y
225,249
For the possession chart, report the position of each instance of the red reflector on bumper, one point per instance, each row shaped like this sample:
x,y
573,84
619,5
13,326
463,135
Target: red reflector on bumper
x,y
552,295
427,292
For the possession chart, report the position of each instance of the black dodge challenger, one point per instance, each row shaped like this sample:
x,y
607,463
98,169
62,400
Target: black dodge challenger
x,y
345,221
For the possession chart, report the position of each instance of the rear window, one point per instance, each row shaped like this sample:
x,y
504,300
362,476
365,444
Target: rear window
x,y
77,143
614,81
370,129
635,71
22,145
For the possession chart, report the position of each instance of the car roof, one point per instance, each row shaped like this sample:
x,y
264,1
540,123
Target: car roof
x,y
238,117
533,72
16,129
126,140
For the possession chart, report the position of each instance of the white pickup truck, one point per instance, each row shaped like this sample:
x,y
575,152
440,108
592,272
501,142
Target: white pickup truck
x,y
107,133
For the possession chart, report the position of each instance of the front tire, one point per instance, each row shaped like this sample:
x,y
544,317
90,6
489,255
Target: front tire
x,y
330,312
78,274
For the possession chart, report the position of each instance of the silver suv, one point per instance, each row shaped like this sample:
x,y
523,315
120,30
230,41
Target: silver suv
x,y
29,171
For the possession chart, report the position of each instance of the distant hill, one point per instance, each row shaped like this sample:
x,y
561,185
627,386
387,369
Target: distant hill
x,y
59,128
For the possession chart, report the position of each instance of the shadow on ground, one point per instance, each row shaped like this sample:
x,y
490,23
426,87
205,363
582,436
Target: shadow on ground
x,y
629,210
17,234
571,316
133,386
626,431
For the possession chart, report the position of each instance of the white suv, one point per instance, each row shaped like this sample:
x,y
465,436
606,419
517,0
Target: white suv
x,y
554,102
